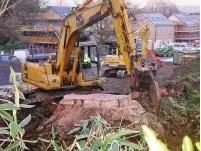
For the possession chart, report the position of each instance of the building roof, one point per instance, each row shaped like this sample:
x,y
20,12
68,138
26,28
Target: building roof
x,y
158,19
187,20
62,10
195,18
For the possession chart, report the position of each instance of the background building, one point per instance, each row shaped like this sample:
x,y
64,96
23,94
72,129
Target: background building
x,y
187,28
42,31
161,28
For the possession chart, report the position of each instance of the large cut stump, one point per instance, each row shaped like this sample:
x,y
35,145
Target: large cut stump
x,y
113,108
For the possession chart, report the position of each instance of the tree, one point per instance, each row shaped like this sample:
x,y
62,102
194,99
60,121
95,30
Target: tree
x,y
6,5
12,19
166,7
103,31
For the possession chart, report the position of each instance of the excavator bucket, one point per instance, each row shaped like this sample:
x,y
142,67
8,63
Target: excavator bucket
x,y
143,80
154,93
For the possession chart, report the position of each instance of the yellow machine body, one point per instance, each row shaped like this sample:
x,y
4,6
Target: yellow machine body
x,y
54,74
66,70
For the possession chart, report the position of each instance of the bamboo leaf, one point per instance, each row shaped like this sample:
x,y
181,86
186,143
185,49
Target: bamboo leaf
x,y
3,132
53,133
13,76
107,141
124,132
14,128
25,121
22,132
123,142
152,141
7,116
197,144
115,146
96,144
187,144
44,140
82,143
74,130
56,146
87,149
21,95
8,106
82,137
26,106
17,98
13,146
29,141
85,123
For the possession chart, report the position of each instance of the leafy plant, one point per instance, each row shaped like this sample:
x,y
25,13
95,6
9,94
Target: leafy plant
x,y
154,143
14,131
97,135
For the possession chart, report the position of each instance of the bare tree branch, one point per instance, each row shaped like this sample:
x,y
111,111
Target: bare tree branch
x,y
5,7
166,7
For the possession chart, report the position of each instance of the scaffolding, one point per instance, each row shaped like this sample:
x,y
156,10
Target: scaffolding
x,y
42,32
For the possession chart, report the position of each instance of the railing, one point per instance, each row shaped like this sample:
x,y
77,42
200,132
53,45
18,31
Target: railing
x,y
50,27
187,38
187,29
36,39
190,31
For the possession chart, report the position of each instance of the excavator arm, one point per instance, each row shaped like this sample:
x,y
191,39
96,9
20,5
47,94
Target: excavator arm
x,y
87,15
79,19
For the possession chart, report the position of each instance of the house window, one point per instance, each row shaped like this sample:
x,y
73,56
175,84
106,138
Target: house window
x,y
171,31
157,31
161,31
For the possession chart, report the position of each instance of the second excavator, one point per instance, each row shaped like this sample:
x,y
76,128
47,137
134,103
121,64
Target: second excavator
x,y
73,67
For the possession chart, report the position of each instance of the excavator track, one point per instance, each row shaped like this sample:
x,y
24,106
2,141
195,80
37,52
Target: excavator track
x,y
115,72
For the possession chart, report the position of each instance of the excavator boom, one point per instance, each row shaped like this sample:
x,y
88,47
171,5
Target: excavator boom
x,y
56,74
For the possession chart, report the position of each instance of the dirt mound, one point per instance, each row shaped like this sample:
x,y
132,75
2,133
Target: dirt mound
x,y
113,108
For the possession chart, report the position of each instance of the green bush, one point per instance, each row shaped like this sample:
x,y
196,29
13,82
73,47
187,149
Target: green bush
x,y
14,131
13,46
97,135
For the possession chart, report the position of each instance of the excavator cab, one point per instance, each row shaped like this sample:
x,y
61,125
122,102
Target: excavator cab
x,y
89,60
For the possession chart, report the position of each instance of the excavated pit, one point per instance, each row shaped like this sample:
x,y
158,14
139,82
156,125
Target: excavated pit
x,y
113,108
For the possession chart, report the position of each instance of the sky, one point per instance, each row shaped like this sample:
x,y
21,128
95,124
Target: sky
x,y
141,3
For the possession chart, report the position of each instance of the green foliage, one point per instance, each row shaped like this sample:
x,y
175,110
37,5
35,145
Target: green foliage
x,y
97,135
101,137
13,46
14,130
153,142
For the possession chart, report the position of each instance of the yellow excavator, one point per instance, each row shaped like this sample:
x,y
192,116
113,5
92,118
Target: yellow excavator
x,y
72,65
114,65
